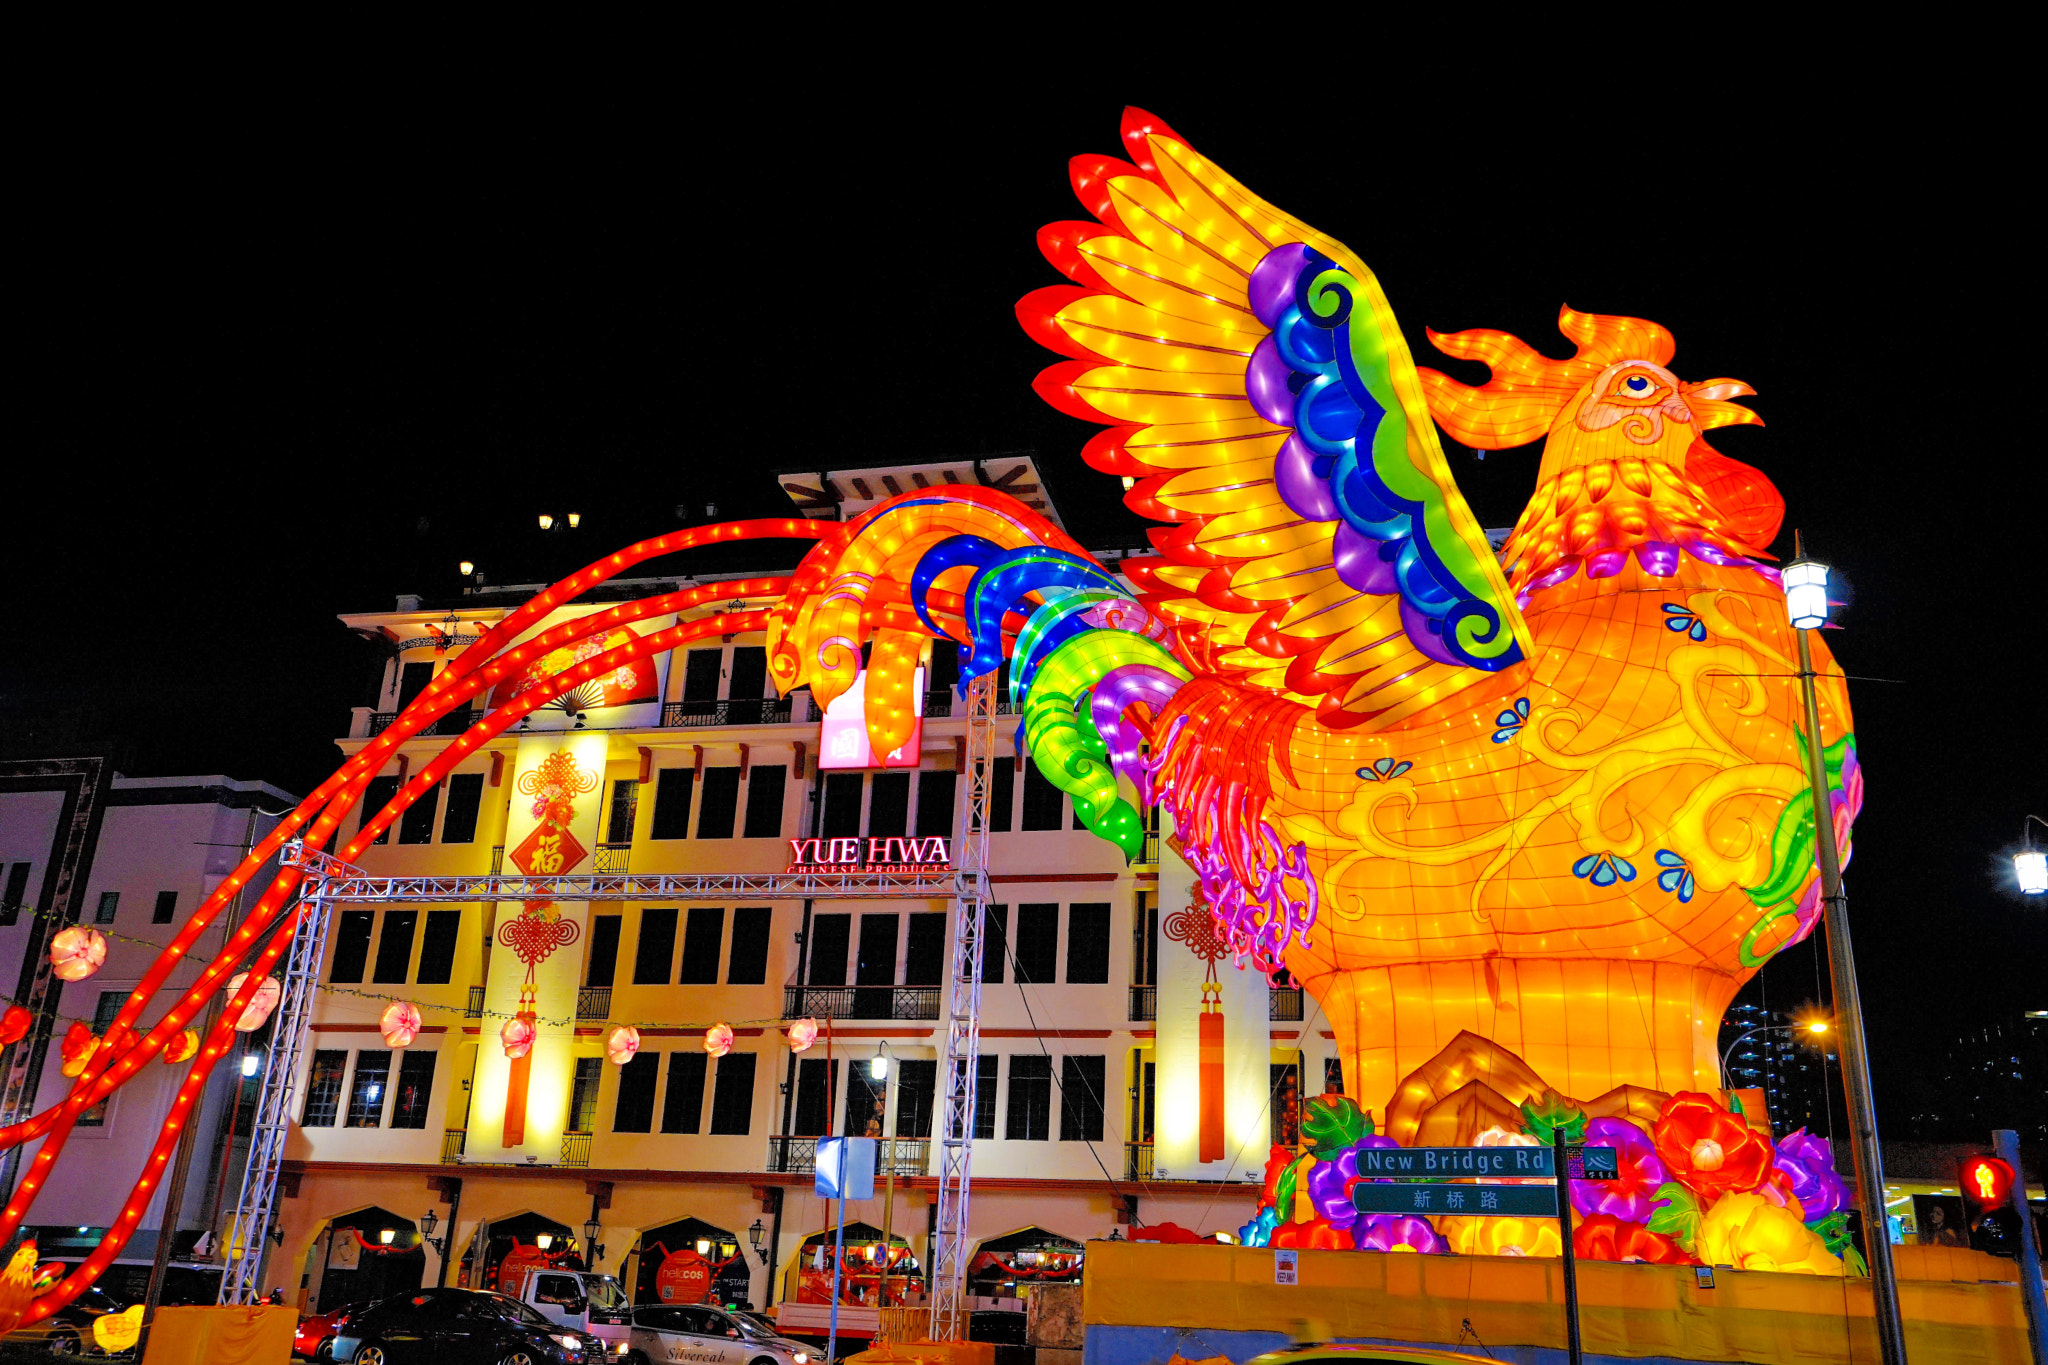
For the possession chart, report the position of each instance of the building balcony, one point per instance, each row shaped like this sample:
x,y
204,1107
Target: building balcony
x,y
1283,1005
452,1142
576,1149
860,1002
475,1008
1137,1161
593,1004
616,858
454,723
1144,1002
795,709
898,1156
498,861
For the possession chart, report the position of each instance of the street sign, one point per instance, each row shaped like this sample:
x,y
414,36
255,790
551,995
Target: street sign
x,y
1449,1163
845,1169
1479,1201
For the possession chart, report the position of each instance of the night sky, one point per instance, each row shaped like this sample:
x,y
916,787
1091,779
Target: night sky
x,y
270,369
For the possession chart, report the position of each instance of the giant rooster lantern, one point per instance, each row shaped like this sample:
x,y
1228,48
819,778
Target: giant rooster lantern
x,y
1521,820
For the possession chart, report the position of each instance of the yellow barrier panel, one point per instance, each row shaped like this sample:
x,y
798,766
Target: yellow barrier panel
x,y
232,1335
927,1353
1625,1310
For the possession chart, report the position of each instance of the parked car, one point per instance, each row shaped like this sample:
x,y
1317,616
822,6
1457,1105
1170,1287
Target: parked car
x,y
315,1338
68,1331
579,1300
459,1327
702,1335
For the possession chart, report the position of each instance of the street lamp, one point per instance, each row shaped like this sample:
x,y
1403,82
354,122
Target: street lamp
x,y
1812,1026
755,1236
428,1222
594,1249
2030,864
1806,605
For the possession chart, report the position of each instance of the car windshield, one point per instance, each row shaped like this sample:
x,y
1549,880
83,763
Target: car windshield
x,y
760,1329
509,1308
605,1293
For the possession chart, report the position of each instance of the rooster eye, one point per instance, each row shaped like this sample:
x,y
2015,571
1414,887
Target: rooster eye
x,y
1636,385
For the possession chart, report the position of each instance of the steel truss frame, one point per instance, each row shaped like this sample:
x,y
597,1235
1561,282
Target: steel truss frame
x,y
330,881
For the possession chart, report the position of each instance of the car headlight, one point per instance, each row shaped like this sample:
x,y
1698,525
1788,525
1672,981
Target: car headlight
x,y
800,1357
571,1342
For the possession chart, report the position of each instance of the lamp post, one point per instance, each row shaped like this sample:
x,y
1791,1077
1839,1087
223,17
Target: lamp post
x,y
1815,1027
593,1249
1806,603
2030,864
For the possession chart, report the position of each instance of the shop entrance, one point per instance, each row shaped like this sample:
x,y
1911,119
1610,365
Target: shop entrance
x,y
361,1256
515,1242
690,1261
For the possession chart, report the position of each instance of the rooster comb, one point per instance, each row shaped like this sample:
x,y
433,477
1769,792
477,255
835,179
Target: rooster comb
x,y
1527,389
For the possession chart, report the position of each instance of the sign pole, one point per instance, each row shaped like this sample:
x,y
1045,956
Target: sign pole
x,y
1564,1227
2006,1142
838,1259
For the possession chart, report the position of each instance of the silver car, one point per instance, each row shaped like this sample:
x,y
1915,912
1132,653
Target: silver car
x,y
698,1334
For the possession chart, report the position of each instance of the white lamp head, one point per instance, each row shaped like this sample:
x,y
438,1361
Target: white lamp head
x,y
1806,593
878,1068
2031,869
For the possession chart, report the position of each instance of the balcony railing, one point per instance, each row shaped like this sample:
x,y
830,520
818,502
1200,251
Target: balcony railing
x,y
614,858
860,1002
454,723
1144,1002
795,709
893,1156
576,1149
475,1009
1137,1161
1283,1005
498,861
593,1004
452,1142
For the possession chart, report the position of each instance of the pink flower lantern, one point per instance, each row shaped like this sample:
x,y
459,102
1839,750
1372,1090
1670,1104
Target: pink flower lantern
x,y
517,1036
76,953
400,1023
802,1034
260,1004
622,1044
718,1039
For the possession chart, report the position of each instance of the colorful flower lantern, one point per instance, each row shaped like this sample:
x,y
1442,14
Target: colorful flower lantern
x,y
182,1047
14,1024
1749,1232
718,1039
802,1034
621,1044
260,1004
1709,1150
76,953
400,1024
517,1036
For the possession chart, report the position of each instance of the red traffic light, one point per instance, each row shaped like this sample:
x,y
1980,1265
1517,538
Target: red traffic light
x,y
1986,1181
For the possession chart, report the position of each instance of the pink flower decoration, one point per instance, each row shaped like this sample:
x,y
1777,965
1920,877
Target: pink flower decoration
x,y
76,953
802,1034
517,1036
260,1004
400,1024
1627,1197
718,1039
621,1044
1397,1232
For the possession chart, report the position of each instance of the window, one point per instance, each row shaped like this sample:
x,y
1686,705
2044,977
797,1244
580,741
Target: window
x,y
985,1097
1088,944
618,828
924,957
747,684
1030,1117
416,826
1285,1105
995,944
109,906
437,947
415,1088
412,680
1002,794
866,1101
657,946
583,1094
703,936
1333,1075
701,668
875,967
732,1098
842,806
1043,802
394,949
721,801
889,806
935,804
764,801
1145,943
672,793
829,936
1079,823
366,1092
166,907
682,1108
352,945
1038,941
16,893
1081,1099
635,1111
812,1081
104,1011
749,965
323,1089
465,796
917,1085
604,953
376,796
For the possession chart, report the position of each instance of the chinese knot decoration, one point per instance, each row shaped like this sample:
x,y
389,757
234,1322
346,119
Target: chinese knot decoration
x,y
539,930
1196,928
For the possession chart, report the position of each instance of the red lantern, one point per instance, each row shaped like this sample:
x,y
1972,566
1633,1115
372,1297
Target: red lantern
x,y
14,1024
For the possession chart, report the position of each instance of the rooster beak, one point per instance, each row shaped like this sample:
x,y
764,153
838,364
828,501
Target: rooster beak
x,y
1710,401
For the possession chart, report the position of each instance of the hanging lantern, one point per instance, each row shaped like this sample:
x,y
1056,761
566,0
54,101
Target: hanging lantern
x,y
260,1004
14,1024
76,953
181,1048
718,1039
400,1023
77,1049
622,1044
802,1034
517,1036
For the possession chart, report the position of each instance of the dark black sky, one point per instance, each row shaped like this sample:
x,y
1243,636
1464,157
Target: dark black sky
x,y
272,362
